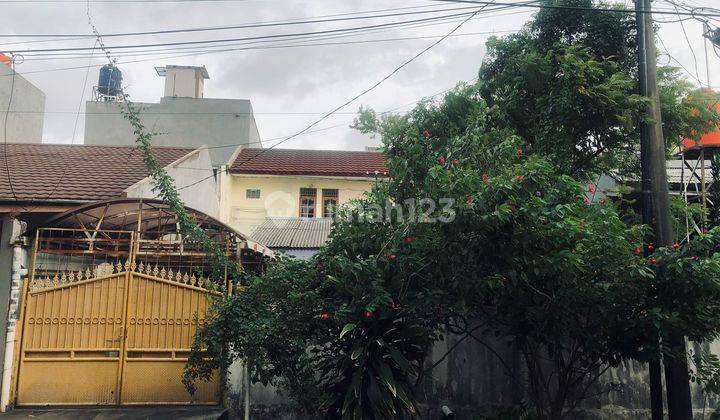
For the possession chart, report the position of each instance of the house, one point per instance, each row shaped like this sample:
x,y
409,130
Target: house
x,y
183,117
98,237
288,196
24,103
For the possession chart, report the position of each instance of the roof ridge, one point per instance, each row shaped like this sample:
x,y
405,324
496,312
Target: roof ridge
x,y
313,150
125,146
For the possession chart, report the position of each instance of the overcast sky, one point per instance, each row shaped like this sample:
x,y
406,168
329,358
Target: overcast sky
x,y
289,87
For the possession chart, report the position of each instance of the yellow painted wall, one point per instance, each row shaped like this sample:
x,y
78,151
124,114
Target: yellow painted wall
x,y
279,197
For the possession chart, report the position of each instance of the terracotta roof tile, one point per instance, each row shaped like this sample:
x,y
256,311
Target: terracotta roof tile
x,y
51,172
309,162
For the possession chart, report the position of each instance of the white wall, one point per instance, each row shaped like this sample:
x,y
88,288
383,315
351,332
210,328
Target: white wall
x,y
221,124
25,121
194,170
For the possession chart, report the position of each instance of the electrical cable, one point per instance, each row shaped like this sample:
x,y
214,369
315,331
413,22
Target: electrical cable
x,y
378,83
250,38
160,53
136,61
580,8
239,26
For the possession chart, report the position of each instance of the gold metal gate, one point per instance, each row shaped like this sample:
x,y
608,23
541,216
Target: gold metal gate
x,y
111,334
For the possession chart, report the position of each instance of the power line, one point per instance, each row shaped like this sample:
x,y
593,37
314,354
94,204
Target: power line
x,y
251,38
581,8
157,53
386,112
239,26
246,23
378,83
145,60
440,21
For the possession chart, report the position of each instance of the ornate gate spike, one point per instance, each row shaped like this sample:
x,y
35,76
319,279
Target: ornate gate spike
x,y
88,273
119,266
155,271
178,277
127,265
132,266
162,273
141,267
192,278
170,275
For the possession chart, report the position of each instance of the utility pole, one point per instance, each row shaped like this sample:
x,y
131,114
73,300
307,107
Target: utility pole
x,y
656,212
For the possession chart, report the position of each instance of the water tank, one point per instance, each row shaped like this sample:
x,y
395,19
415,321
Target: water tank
x,y
110,80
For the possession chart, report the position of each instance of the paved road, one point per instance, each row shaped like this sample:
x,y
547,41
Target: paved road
x,y
144,413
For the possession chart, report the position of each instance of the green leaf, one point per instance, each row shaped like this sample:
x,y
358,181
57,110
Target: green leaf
x,y
347,328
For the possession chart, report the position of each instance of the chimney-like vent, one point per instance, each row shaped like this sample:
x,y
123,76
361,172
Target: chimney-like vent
x,y
183,81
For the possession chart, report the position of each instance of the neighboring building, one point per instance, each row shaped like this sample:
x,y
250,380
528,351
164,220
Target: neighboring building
x,y
26,105
183,118
100,191
297,236
43,180
264,185
50,178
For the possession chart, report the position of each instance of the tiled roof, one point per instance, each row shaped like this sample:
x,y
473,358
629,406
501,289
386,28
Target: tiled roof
x,y
51,172
309,162
293,232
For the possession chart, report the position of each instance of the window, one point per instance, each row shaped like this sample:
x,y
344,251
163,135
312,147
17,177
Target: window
x,y
329,202
252,193
307,202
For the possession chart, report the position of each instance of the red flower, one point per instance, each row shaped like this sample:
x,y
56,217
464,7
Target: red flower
x,y
653,260
486,179
426,134
455,162
408,239
324,316
520,153
392,257
468,199
591,187
441,160
586,200
676,246
638,250
651,248
368,314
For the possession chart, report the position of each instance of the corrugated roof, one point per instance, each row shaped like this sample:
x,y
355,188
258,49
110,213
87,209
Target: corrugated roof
x,y
52,172
675,171
309,162
293,232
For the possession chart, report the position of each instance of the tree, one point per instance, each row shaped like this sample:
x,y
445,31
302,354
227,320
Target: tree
x,y
567,84
521,249
486,217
